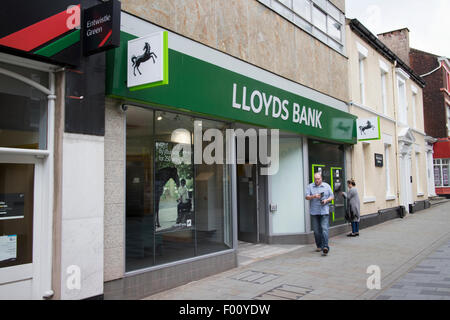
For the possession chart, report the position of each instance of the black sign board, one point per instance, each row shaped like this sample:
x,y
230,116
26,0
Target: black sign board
x,y
101,27
12,205
378,160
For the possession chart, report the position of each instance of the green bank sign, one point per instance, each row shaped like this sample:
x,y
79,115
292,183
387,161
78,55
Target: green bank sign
x,y
206,89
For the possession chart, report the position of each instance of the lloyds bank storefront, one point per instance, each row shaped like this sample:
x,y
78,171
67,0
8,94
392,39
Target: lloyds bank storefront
x,y
169,220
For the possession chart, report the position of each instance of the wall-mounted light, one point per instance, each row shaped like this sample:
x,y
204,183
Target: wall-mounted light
x,y
159,118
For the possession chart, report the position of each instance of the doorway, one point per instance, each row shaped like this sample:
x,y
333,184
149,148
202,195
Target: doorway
x,y
26,162
406,197
251,191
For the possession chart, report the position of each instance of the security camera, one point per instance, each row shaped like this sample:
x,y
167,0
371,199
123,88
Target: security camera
x,y
123,107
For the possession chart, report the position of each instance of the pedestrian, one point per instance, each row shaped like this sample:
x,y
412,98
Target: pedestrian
x,y
320,195
183,200
353,207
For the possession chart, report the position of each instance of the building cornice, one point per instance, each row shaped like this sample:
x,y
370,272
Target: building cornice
x,y
354,104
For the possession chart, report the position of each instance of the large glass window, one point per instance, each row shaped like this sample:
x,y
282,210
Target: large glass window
x,y
23,110
175,209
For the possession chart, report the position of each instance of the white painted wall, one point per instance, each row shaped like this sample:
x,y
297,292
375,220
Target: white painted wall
x,y
287,190
82,214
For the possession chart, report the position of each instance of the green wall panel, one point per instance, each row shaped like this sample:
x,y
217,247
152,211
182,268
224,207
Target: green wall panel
x,y
207,89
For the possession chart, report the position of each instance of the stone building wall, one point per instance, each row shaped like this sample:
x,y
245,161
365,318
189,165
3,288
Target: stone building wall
x,y
248,30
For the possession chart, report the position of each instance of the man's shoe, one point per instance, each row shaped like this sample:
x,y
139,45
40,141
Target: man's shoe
x,y
318,250
356,234
325,251
351,234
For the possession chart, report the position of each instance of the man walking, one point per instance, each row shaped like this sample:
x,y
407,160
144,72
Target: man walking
x,y
320,195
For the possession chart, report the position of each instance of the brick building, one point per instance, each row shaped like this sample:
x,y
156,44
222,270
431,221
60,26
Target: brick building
x,y
435,71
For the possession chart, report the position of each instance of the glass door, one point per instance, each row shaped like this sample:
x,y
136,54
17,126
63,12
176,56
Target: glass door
x,y
247,203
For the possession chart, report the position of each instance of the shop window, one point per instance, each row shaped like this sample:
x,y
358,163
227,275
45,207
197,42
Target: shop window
x,y
23,110
175,209
441,172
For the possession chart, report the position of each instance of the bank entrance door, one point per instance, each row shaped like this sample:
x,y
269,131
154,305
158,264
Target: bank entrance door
x,y
252,202
252,195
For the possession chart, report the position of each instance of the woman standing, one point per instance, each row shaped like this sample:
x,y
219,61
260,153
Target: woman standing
x,y
353,207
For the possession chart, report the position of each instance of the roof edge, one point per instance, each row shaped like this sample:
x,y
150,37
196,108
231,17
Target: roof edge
x,y
378,45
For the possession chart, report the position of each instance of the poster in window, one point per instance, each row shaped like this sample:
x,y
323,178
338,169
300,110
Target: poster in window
x,y
445,175
174,204
437,175
8,248
12,206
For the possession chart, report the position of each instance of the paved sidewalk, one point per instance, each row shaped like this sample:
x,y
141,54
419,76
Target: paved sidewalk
x,y
429,280
398,246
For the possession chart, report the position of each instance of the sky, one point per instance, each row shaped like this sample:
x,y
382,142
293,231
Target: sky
x,y
427,20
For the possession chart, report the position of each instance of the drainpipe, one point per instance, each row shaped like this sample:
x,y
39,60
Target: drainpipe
x,y
397,158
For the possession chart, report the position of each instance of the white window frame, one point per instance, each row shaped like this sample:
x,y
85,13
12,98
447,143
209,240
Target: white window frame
x,y
362,55
438,163
41,266
402,102
402,77
414,105
418,181
384,71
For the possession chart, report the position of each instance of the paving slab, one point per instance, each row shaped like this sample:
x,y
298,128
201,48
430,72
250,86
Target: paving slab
x,y
411,254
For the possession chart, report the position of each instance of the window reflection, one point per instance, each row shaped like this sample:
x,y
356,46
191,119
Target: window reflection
x,y
23,110
175,210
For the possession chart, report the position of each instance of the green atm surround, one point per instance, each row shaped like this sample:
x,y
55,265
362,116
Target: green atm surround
x,y
333,172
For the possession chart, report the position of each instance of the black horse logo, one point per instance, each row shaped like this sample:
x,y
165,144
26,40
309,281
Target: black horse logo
x,y
368,126
148,54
